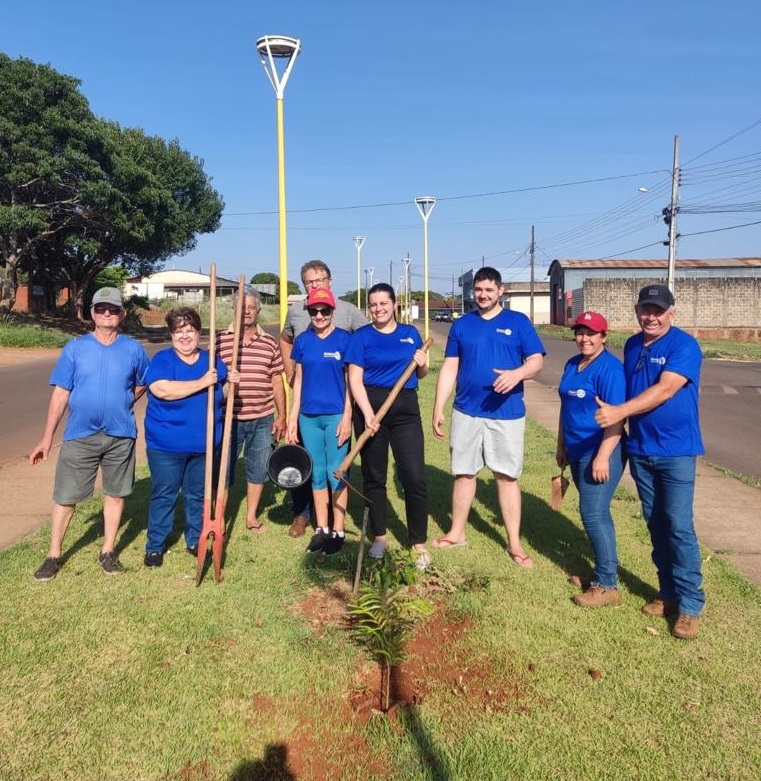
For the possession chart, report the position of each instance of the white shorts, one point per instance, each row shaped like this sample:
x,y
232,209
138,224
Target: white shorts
x,y
478,442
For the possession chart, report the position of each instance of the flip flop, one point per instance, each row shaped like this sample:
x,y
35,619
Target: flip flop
x,y
257,528
521,561
444,544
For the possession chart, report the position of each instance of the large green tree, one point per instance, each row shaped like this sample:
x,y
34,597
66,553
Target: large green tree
x,y
130,199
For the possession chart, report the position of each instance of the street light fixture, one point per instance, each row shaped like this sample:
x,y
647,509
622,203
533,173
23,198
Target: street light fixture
x,y
425,204
274,48
358,242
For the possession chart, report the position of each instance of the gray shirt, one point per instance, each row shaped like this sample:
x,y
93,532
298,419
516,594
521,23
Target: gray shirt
x,y
346,316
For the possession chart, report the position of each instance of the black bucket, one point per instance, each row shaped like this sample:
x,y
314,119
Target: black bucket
x,y
289,466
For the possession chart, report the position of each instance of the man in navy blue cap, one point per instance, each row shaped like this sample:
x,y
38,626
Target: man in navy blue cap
x,y
662,368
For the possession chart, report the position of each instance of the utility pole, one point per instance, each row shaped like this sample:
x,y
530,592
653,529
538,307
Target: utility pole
x,y
531,264
670,216
391,272
406,261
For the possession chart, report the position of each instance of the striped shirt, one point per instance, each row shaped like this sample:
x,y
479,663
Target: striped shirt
x,y
259,361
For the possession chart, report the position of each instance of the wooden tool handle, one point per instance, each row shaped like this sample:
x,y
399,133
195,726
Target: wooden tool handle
x,y
208,476
379,415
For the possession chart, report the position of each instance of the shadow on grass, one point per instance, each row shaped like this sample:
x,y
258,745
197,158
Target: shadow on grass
x,y
431,757
273,766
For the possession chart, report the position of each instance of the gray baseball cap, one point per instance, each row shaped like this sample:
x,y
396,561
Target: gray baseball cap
x,y
107,295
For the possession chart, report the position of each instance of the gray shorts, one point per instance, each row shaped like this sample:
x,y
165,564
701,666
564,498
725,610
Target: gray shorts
x,y
478,442
78,464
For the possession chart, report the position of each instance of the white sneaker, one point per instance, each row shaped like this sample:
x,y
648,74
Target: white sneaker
x,y
423,560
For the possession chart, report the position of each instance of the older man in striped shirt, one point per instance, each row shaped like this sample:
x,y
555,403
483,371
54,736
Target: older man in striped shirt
x,y
259,411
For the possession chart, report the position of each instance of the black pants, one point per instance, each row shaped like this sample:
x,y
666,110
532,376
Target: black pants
x,y
402,429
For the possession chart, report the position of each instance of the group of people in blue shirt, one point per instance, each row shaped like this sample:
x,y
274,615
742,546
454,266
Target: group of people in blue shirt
x,y
656,391
341,380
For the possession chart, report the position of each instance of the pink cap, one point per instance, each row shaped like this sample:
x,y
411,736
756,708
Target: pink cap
x,y
591,320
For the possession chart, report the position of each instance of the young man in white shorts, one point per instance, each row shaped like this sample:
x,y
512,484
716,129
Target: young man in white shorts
x,y
489,353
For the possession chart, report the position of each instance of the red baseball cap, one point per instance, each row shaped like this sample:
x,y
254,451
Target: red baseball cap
x,y
594,321
321,295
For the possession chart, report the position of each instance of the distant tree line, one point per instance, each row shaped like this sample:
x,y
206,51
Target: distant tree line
x,y
79,193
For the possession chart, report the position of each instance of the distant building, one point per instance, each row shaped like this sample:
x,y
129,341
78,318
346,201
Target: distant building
x,y
518,297
185,287
715,293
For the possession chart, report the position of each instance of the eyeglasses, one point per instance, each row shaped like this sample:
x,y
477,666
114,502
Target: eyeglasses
x,y
316,282
106,309
189,332
642,360
321,311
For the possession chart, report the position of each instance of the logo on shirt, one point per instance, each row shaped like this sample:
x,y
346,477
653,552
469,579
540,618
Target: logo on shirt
x,y
408,340
336,355
580,393
660,361
505,331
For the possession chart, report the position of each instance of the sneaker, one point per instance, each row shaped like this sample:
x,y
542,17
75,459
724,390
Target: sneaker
x,y
153,558
377,549
686,627
110,564
423,560
597,596
660,608
333,544
192,550
48,569
319,541
299,526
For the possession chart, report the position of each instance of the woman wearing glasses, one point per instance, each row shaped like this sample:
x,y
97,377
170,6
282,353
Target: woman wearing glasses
x,y
175,431
321,412
377,356
595,454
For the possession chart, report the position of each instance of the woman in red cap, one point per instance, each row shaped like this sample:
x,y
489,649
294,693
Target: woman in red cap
x,y
321,411
595,455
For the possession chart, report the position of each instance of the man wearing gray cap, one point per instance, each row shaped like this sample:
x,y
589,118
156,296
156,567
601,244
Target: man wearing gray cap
x,y
97,378
662,368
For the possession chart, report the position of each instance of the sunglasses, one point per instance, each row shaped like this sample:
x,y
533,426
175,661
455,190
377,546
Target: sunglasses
x,y
324,311
642,359
102,309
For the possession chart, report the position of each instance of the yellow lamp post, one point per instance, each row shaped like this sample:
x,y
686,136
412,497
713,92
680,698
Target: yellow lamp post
x,y
425,204
358,242
274,48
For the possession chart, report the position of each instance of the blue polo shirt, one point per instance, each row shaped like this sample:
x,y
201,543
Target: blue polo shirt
x,y
384,357
603,378
482,345
323,372
672,428
101,380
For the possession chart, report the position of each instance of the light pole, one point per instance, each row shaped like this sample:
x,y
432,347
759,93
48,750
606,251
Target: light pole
x,y
358,242
368,284
425,204
272,48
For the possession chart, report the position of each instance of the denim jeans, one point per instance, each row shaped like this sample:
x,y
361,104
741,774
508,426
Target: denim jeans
x,y
666,486
594,506
170,473
256,435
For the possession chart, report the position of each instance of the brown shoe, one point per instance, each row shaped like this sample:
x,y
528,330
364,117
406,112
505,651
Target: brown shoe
x,y
597,596
299,526
686,627
660,608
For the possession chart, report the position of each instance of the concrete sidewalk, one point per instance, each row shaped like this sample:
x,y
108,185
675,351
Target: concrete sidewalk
x,y
727,514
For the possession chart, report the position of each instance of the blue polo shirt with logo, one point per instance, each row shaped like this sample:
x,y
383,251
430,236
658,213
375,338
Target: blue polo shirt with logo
x,y
323,373
384,357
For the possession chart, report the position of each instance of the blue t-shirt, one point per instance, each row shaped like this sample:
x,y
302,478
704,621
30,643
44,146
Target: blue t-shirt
x,y
179,426
604,377
482,345
101,380
323,373
384,357
672,428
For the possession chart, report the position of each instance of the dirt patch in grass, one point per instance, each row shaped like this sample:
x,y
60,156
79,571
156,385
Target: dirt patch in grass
x,y
325,607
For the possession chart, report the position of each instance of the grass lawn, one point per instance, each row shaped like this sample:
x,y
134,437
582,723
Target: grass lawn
x,y
146,676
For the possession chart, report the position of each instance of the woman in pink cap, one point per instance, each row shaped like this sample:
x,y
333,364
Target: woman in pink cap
x,y
596,455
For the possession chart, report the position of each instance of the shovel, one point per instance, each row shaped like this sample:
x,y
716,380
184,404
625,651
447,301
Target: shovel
x,y
214,511
558,486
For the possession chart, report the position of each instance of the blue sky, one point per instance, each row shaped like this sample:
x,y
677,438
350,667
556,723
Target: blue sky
x,y
490,105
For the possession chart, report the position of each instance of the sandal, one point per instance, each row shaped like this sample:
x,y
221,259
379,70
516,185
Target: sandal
x,y
256,528
445,544
522,561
